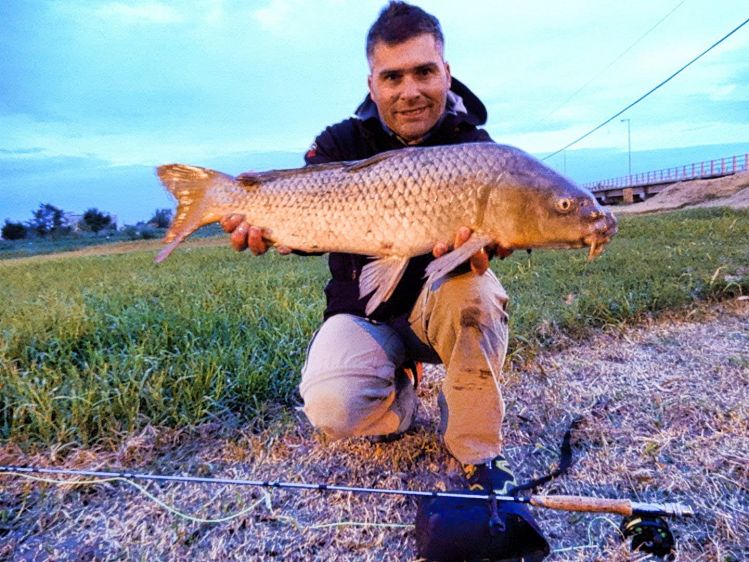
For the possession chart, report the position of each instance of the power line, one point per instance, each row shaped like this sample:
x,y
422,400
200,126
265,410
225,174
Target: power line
x,y
612,63
642,97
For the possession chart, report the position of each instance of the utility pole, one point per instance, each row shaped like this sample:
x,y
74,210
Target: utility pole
x,y
629,148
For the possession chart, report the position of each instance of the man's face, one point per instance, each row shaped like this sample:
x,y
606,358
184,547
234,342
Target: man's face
x,y
409,82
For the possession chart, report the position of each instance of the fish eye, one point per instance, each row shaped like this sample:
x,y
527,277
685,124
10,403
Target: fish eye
x,y
564,205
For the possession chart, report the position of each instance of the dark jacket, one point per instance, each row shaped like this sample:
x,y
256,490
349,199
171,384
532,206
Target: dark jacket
x,y
363,136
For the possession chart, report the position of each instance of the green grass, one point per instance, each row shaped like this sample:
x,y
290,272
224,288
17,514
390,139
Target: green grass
x,y
654,263
95,347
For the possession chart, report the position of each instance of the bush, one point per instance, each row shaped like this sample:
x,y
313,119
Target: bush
x,y
140,231
14,230
161,218
48,219
95,221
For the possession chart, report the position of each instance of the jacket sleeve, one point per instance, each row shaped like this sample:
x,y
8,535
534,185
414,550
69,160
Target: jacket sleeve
x,y
324,149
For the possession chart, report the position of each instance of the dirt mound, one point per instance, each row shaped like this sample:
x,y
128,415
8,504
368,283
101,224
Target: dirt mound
x,y
728,191
739,200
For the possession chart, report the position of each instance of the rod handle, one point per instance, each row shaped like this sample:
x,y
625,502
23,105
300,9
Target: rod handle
x,y
586,504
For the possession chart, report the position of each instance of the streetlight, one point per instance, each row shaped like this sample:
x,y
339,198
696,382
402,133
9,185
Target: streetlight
x,y
629,148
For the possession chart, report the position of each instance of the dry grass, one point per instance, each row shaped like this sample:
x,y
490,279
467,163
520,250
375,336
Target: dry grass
x,y
665,407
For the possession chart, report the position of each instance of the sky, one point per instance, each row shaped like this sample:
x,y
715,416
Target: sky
x,y
95,94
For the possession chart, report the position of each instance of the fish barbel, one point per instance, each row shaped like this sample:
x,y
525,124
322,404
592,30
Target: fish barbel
x,y
397,205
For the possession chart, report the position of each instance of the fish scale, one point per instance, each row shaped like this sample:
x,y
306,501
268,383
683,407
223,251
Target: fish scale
x,y
397,205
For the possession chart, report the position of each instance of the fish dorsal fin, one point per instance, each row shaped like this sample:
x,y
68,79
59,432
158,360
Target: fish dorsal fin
x,y
358,165
249,179
255,178
381,277
445,264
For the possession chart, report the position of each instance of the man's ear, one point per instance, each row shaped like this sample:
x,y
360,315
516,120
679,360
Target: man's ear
x,y
449,74
369,84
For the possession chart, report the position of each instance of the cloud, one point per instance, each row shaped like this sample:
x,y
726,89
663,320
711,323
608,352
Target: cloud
x,y
295,15
274,14
719,93
143,13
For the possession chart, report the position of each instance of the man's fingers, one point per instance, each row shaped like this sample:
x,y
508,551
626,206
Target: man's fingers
x,y
480,262
255,241
238,237
230,222
244,235
503,252
440,249
461,236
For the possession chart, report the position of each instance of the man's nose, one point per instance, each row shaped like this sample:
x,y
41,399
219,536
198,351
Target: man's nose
x,y
410,88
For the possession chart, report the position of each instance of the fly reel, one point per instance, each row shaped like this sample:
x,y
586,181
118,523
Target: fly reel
x,y
649,534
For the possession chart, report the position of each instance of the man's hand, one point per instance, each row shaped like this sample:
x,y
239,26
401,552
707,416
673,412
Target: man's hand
x,y
480,260
243,235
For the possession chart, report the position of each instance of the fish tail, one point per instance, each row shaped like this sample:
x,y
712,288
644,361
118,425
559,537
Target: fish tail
x,y
192,187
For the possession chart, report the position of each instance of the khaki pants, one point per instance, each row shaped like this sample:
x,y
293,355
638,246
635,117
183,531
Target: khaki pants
x,y
349,382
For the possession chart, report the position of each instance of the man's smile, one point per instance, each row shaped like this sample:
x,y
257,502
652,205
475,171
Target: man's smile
x,y
415,112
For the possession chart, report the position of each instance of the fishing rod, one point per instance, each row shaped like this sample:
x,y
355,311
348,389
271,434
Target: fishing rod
x,y
624,507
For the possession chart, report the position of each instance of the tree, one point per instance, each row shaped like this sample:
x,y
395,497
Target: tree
x,y
13,230
47,219
94,220
161,218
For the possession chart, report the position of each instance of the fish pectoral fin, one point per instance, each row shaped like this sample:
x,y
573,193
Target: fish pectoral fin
x,y
380,277
445,264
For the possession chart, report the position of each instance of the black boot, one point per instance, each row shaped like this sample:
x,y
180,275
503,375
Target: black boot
x,y
495,475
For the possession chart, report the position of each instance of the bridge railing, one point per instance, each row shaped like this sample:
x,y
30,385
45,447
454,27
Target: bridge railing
x,y
698,170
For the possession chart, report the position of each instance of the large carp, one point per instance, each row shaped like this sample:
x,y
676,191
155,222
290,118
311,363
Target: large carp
x,y
397,205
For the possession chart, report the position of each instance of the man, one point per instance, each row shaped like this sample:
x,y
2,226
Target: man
x,y
356,380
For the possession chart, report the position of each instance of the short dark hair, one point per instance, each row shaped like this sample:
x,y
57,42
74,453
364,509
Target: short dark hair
x,y
399,22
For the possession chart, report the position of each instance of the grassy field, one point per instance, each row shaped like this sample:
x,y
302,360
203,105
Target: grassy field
x,y
94,348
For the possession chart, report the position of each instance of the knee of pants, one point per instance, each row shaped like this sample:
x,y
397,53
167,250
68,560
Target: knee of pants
x,y
470,301
344,406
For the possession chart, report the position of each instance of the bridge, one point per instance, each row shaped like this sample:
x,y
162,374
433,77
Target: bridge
x,y
638,187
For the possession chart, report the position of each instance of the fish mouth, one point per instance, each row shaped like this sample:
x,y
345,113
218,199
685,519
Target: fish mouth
x,y
601,233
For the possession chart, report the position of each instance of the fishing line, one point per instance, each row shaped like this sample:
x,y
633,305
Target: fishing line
x,y
195,519
619,57
171,509
642,97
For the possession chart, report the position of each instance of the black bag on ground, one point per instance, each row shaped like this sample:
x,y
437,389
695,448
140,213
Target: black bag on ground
x,y
457,530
